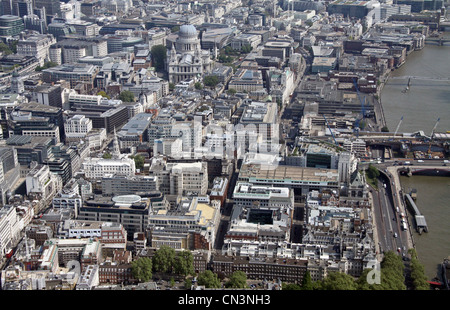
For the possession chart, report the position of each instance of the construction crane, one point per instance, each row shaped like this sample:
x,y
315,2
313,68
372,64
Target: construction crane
x,y
431,137
398,126
332,134
356,126
434,128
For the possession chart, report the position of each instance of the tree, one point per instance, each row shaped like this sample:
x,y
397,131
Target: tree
x,y
372,172
141,269
48,64
384,129
126,96
139,161
208,279
246,48
238,279
107,156
103,94
159,55
338,281
307,282
211,80
198,85
5,49
163,259
418,272
231,91
290,287
184,263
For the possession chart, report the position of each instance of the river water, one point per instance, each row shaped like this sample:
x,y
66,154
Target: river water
x,y
433,196
427,100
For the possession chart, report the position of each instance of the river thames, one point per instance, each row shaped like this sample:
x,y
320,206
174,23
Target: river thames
x,y
427,100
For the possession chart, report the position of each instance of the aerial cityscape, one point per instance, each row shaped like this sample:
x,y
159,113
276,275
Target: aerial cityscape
x,y
225,145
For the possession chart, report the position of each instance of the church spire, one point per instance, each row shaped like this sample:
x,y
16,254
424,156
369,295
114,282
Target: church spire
x,y
116,148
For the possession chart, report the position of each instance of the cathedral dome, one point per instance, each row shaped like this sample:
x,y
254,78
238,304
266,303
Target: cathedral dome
x,y
188,31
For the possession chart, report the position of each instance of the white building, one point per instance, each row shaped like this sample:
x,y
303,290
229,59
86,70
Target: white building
x,y
9,229
41,181
89,278
78,126
263,197
67,200
75,98
180,178
36,45
95,168
186,60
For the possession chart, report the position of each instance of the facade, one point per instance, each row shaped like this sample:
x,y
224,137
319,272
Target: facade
x,y
181,178
37,45
265,268
126,185
73,73
192,225
135,131
186,60
246,80
96,168
129,210
301,179
10,25
78,126
42,183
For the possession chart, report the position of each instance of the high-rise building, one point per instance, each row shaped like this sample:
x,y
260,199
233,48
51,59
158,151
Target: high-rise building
x,y
52,7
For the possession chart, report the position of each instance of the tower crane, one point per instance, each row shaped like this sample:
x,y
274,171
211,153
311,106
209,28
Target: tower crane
x,y
434,128
398,126
356,126
431,137
332,134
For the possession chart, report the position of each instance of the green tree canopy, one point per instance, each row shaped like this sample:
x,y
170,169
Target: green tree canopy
x,y
184,263
208,279
307,282
139,161
107,156
418,272
338,281
211,80
238,279
163,260
391,274
372,172
141,269
126,96
103,94
159,55
198,85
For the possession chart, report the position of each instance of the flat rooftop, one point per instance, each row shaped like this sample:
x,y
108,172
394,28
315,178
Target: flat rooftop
x,y
286,172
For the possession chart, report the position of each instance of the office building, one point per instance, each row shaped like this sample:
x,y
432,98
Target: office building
x,y
36,45
127,185
180,178
135,131
72,73
10,25
131,211
192,225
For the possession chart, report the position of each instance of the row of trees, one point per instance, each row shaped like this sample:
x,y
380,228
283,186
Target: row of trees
x,y
392,277
165,260
391,274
